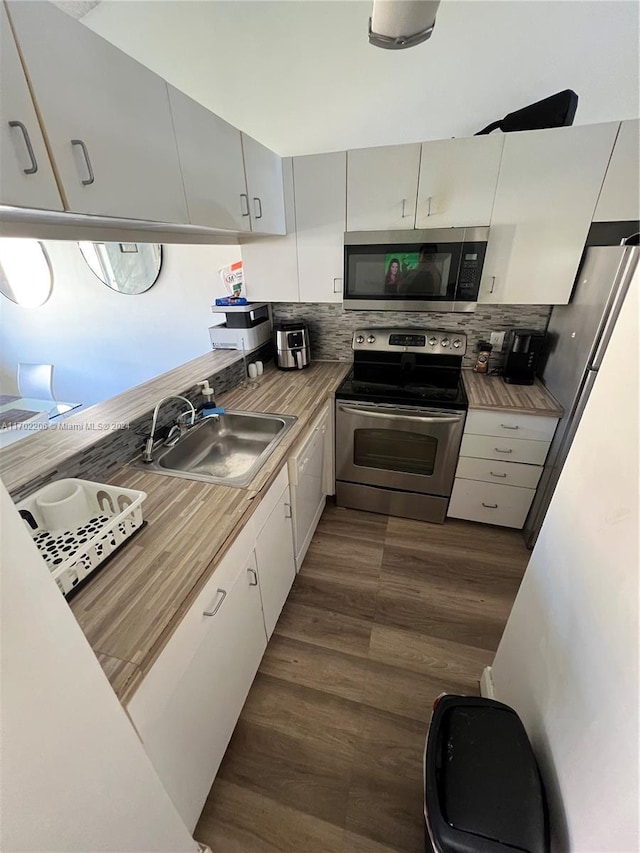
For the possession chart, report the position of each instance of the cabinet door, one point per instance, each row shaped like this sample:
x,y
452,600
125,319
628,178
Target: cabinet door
x,y
26,176
210,152
458,179
382,187
620,196
270,263
263,169
187,738
124,160
320,182
276,565
547,191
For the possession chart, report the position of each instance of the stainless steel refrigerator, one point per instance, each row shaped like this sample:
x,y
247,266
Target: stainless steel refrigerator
x,y
577,338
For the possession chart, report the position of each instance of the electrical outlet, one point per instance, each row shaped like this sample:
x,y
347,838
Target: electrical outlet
x,y
497,341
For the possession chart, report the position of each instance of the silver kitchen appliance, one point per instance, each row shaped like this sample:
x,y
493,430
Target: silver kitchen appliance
x,y
399,421
577,337
291,342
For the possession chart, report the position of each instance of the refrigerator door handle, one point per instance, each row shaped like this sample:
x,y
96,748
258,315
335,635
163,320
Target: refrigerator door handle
x,y
623,279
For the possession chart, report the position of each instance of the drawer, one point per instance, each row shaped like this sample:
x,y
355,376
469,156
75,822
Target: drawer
x,y
159,683
505,449
531,427
499,473
506,506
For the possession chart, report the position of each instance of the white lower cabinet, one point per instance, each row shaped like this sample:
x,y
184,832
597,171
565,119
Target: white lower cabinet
x,y
274,554
497,474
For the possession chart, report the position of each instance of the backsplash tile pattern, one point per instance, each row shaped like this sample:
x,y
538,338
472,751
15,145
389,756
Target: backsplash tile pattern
x,y
331,327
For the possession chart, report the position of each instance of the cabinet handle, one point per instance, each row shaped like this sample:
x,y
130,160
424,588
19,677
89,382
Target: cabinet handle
x,y
222,593
25,134
337,285
244,208
506,426
287,511
490,506
498,450
254,575
404,208
493,283
497,475
259,208
429,206
85,151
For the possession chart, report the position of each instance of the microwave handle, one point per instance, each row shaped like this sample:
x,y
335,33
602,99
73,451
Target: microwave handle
x,y
425,419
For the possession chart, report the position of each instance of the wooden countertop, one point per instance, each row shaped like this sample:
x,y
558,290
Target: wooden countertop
x,y
492,392
28,458
130,609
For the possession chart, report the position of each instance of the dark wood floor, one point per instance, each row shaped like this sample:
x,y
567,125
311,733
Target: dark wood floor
x,y
385,614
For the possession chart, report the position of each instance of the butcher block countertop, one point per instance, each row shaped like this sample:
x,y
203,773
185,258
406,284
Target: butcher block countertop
x,y
130,610
489,393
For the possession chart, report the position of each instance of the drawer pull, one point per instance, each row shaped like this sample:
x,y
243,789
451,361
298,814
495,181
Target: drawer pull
x,y
499,450
222,593
497,475
253,574
506,426
33,168
490,506
287,510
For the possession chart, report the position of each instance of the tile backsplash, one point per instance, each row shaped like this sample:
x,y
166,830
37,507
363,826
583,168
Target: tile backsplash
x,y
331,327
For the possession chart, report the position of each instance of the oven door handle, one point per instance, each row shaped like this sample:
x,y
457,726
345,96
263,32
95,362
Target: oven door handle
x,y
390,415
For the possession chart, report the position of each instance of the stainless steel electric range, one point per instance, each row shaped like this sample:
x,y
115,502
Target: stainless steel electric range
x,y
399,421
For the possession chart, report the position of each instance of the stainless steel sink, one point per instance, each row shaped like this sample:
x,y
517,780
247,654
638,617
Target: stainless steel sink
x,y
228,449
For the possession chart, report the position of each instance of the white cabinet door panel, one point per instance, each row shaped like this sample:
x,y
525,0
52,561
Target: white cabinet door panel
x,y
499,473
276,564
620,196
187,740
26,176
458,179
547,191
506,506
382,187
506,449
210,152
88,90
263,169
320,197
534,427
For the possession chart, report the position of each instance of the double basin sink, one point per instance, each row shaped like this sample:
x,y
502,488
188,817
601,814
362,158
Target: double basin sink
x,y
227,449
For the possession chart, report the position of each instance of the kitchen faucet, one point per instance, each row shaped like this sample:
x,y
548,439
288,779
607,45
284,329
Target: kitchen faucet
x,y
148,448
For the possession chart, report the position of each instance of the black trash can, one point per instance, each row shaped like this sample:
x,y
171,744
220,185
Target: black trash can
x,y
483,792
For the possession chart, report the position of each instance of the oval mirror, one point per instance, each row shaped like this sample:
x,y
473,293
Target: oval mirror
x,y
124,267
26,277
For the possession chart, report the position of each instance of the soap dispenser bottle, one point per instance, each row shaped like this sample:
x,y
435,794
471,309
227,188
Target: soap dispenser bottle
x,y
208,406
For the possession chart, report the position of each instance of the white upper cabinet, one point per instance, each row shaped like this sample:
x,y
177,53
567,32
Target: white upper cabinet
x,y
320,202
210,152
263,169
270,263
458,179
547,191
106,117
26,176
382,187
620,196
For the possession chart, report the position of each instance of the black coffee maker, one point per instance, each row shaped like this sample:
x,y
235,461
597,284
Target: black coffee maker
x,y
524,349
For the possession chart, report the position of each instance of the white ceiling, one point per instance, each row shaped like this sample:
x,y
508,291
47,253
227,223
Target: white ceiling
x,y
300,76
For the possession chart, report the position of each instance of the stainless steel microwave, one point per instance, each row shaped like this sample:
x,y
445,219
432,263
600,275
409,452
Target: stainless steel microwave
x,y
421,270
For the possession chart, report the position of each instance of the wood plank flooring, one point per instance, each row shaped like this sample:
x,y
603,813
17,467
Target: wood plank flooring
x,y
385,614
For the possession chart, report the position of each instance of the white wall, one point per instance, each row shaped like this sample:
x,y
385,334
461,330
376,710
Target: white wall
x,y
568,660
301,77
74,776
102,342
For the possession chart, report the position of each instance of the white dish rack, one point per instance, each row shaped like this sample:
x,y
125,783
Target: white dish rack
x,y
77,524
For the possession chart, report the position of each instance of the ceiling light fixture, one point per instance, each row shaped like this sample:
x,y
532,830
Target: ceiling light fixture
x,y
398,24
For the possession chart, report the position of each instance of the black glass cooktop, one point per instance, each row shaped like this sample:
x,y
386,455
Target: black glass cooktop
x,y
448,392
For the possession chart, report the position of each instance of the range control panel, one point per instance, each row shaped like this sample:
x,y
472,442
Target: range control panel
x,y
431,341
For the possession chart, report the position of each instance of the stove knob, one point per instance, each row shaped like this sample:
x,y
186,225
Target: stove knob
x,y
433,342
457,343
371,339
444,342
360,339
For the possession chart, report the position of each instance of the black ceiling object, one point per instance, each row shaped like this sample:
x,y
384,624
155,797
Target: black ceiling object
x,y
555,111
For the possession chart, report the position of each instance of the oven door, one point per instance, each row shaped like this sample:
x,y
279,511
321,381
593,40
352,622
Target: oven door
x,y
398,447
